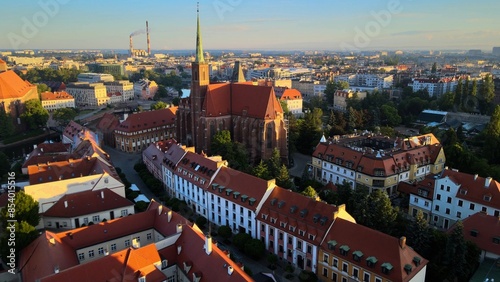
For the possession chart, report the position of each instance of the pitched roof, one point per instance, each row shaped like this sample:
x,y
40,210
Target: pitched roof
x,y
372,243
125,265
147,120
419,188
12,86
297,210
87,202
71,129
242,99
486,229
196,165
485,191
108,123
240,187
46,96
291,94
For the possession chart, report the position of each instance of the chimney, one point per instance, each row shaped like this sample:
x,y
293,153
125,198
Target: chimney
x,y
230,270
487,182
402,242
169,214
65,204
102,194
475,177
208,244
131,47
179,249
160,208
179,228
148,41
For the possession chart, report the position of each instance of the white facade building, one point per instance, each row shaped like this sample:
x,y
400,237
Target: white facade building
x,y
124,87
95,77
91,95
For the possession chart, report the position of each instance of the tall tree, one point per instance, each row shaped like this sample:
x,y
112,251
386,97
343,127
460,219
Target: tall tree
x,y
310,132
34,115
64,115
390,116
310,192
455,254
274,163
4,164
261,171
458,92
6,124
486,93
283,178
434,68
419,234
26,210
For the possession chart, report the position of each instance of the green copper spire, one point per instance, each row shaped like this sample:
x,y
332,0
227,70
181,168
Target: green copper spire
x,y
199,46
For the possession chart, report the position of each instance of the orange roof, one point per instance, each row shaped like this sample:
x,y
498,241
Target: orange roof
x,y
147,120
12,86
87,202
487,228
291,94
235,98
372,243
108,123
46,96
242,183
71,129
125,265
290,206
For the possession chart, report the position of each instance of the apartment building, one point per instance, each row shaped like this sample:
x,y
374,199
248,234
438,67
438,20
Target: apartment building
x,y
155,245
353,252
484,231
124,87
145,89
141,129
376,162
293,100
88,95
452,195
95,77
57,100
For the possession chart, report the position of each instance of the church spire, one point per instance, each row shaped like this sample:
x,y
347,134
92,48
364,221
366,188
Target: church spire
x,y
199,46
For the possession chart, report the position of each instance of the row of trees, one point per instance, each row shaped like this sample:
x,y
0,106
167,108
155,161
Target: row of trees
x,y
47,74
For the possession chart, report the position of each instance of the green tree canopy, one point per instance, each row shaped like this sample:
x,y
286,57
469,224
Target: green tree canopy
x,y
6,125
26,210
310,192
390,116
64,115
159,105
34,115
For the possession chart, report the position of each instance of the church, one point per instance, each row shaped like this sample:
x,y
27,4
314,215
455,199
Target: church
x,y
250,112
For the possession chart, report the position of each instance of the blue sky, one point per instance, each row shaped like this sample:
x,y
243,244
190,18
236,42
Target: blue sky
x,y
252,24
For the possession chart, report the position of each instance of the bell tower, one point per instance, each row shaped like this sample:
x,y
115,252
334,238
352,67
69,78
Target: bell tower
x,y
199,82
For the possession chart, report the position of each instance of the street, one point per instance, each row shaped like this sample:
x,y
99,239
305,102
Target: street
x,y
126,162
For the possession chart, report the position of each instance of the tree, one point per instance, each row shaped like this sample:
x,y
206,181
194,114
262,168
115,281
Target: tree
x,y
225,232
310,192
455,253
311,131
380,214
234,152
272,259
261,170
390,116
446,101
4,164
160,93
418,234
255,248
274,163
26,210
240,239
284,106
176,101
42,88
24,234
159,105
458,93
486,93
64,115
6,124
491,148
434,68
473,91
283,178
201,221
34,115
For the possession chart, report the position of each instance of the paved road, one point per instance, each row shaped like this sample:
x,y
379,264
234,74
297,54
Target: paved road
x,y
126,162
300,162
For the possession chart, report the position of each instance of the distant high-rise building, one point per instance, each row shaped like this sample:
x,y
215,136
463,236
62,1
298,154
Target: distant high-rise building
x,y
475,52
496,51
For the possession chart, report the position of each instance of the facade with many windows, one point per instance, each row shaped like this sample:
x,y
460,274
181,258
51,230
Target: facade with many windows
x,y
377,162
88,95
57,100
352,252
141,129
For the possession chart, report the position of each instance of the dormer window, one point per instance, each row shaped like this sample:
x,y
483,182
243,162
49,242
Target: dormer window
x,y
293,209
474,233
344,249
302,232
386,267
496,240
408,268
371,261
416,261
332,244
487,198
357,255
463,192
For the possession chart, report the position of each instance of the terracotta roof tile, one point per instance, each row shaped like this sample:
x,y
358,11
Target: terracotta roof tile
x,y
484,230
291,94
146,120
370,242
477,188
12,86
46,96
196,165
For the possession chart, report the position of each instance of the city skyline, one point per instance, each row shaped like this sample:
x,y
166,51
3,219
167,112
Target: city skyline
x,y
252,25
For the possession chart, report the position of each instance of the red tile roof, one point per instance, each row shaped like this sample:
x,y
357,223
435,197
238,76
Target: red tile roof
x,y
125,265
147,120
87,202
236,98
108,123
477,188
288,206
173,156
213,267
48,152
197,165
46,96
370,242
486,227
238,182
12,86
427,184
72,129
291,94
72,168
